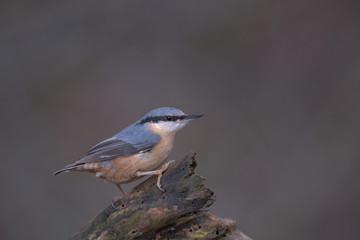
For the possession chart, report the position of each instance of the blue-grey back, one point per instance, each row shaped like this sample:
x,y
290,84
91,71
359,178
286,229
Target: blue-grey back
x,y
131,140
139,136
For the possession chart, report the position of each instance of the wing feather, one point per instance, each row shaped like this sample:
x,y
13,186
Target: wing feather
x,y
111,144
130,141
121,145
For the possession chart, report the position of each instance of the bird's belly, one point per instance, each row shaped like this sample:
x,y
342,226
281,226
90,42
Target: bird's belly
x,y
123,169
150,162
157,156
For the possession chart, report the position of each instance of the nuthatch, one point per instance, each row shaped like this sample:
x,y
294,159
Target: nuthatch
x,y
136,151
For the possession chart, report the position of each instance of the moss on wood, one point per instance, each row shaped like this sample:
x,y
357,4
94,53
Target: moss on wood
x,y
178,213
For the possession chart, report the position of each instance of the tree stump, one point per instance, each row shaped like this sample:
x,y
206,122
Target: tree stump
x,y
178,213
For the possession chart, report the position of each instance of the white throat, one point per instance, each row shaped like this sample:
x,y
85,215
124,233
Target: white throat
x,y
169,127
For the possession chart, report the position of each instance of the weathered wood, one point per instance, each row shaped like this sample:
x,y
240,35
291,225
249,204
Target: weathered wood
x,y
178,213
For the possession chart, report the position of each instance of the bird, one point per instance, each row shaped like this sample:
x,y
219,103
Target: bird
x,y
138,150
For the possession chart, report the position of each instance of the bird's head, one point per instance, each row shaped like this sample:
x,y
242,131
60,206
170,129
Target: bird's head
x,y
167,120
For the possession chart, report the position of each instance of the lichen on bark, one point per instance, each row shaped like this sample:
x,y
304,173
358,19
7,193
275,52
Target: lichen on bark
x,y
178,213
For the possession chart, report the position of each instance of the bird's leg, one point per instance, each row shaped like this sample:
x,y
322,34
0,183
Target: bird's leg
x,y
121,190
158,172
117,198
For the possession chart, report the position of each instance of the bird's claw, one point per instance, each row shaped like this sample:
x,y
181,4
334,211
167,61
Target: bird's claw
x,y
115,199
163,169
161,189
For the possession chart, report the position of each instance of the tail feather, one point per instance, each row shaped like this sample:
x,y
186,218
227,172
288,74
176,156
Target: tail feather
x,y
65,169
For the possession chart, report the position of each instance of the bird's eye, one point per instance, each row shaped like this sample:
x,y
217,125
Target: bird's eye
x,y
169,118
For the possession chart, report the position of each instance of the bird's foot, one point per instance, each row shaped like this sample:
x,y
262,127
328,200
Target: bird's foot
x,y
158,172
114,200
162,170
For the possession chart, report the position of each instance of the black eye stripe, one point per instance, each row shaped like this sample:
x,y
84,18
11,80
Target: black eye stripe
x,y
174,118
161,118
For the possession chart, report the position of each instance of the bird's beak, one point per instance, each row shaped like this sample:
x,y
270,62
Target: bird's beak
x,y
192,116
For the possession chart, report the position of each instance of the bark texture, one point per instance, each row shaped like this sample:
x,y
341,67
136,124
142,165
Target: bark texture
x,y
178,213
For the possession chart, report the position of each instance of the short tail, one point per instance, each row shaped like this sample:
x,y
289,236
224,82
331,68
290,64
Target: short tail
x,y
65,169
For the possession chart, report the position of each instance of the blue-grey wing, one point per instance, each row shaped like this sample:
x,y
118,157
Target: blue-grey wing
x,y
113,145
126,143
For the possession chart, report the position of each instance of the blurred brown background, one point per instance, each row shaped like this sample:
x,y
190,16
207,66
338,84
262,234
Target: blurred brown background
x,y
278,82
